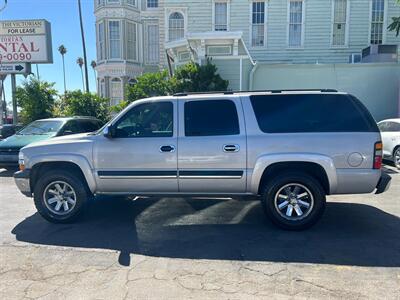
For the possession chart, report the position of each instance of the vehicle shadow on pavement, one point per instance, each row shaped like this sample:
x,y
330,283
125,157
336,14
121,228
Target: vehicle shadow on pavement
x,y
348,234
9,172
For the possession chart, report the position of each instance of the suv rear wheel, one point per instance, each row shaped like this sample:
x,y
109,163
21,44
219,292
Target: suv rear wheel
x,y
60,196
396,157
293,201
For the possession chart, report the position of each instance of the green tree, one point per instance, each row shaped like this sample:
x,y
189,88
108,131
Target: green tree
x,y
395,25
149,85
63,51
36,100
193,77
78,103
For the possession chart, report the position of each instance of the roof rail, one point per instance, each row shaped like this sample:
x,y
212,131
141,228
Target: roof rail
x,y
255,91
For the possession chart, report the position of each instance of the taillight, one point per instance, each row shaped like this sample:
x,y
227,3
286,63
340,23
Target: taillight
x,y
378,155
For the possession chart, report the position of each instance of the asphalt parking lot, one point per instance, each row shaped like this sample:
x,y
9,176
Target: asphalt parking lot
x,y
177,248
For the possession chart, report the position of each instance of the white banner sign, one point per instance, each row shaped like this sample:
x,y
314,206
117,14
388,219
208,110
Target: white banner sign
x,y
23,49
25,42
23,27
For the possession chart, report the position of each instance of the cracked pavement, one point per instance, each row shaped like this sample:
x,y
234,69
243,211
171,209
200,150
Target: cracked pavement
x,y
178,248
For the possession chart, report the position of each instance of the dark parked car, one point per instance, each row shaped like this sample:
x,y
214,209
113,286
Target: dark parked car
x,y
7,130
42,130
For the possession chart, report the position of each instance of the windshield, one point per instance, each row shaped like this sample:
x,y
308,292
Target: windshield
x,y
41,127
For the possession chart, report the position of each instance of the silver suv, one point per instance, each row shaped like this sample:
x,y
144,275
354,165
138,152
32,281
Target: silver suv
x,y
290,148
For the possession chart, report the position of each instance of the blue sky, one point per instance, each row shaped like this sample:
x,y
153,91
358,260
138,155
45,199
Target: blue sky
x,y
63,16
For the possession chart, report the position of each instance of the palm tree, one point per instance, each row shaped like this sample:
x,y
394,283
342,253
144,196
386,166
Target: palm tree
x,y
63,51
94,65
395,25
83,45
80,63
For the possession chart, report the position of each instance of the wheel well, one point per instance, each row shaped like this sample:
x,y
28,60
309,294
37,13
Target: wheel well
x,y
313,169
394,150
41,168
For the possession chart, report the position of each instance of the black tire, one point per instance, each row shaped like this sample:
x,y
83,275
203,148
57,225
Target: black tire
x,y
72,180
311,214
396,153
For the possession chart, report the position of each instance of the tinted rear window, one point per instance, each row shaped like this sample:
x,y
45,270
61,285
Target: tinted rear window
x,y
211,118
311,113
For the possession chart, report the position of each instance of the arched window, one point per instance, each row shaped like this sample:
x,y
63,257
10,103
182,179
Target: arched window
x,y
102,88
116,91
176,26
132,81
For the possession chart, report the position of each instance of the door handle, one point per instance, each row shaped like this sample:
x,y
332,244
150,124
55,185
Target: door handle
x,y
231,148
167,148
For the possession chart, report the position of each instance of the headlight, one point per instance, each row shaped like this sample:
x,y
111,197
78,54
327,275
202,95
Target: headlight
x,y
21,161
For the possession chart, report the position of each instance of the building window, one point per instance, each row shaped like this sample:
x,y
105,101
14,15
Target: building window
x,y
131,32
258,24
153,50
113,1
132,82
116,91
100,3
101,52
221,16
114,39
377,20
131,2
176,26
296,19
152,3
339,23
102,88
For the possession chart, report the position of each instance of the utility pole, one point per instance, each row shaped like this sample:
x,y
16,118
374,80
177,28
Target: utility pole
x,y
2,78
84,47
14,98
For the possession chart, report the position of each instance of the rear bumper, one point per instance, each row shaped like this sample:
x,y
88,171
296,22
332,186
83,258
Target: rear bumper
x,y
383,183
22,180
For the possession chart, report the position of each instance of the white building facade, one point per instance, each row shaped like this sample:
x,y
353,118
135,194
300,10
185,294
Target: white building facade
x,y
137,36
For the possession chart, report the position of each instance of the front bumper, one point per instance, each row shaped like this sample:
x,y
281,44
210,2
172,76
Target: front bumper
x,y
383,183
21,179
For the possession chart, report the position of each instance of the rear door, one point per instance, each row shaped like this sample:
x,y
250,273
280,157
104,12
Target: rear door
x,y
212,146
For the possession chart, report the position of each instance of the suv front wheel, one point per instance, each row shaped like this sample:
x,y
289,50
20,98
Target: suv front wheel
x,y
293,201
60,196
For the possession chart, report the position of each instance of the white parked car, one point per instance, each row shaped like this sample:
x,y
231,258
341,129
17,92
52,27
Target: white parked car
x,y
390,131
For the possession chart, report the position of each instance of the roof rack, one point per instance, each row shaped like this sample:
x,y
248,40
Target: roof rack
x,y
255,91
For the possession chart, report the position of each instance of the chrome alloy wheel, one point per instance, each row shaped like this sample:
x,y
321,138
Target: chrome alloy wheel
x,y
397,158
294,201
59,197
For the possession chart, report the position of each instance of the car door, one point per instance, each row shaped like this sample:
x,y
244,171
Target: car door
x,y
141,157
212,146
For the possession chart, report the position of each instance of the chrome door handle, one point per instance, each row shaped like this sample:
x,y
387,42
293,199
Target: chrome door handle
x,y
231,148
167,148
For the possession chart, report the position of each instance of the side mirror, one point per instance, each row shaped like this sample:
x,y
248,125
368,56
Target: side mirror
x,y
109,131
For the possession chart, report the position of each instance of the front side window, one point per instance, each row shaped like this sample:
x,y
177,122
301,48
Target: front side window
x,y
115,39
152,3
211,118
389,127
339,22
295,23
258,24
101,45
153,50
377,20
147,120
221,16
131,33
176,26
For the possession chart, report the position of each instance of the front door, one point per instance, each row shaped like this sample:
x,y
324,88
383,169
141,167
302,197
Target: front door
x,y
142,156
212,146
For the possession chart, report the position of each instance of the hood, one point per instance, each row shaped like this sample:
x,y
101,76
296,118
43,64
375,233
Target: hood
x,y
67,139
19,141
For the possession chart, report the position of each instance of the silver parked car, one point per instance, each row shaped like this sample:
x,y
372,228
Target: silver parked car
x,y
390,131
291,148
